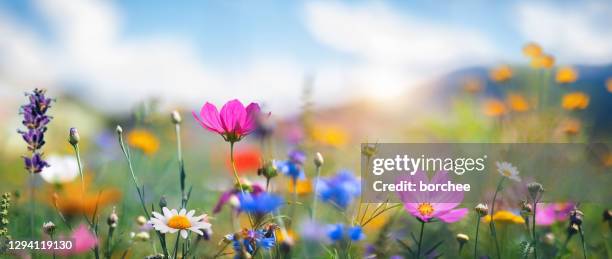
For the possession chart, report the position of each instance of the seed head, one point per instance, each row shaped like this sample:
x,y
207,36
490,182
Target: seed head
x,y
163,202
175,116
49,228
535,189
119,130
112,219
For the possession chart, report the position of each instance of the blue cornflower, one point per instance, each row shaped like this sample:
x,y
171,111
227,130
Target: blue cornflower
x,y
340,189
291,169
261,203
340,232
248,241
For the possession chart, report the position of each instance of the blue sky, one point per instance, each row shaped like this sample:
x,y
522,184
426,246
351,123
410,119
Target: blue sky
x,y
261,50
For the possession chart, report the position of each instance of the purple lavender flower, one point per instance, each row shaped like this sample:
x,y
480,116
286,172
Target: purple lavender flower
x,y
35,119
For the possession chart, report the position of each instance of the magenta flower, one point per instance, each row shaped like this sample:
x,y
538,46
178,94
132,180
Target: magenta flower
x,y
549,213
435,204
83,241
233,122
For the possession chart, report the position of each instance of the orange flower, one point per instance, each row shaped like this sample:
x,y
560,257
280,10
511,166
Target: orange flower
x,y
532,50
609,84
575,101
472,85
543,61
517,103
303,187
72,201
501,73
330,135
504,216
144,140
571,126
566,75
494,108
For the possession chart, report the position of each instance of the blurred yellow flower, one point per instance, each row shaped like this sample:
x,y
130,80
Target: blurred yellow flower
x,y
501,73
532,50
144,140
571,126
303,186
504,216
575,101
607,160
332,136
494,108
566,75
517,103
472,85
543,61
285,236
609,84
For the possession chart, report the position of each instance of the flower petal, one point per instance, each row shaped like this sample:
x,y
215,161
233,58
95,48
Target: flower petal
x,y
453,215
232,113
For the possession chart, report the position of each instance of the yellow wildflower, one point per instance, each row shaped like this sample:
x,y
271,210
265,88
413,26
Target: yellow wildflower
x,y
504,216
331,136
144,140
494,108
571,126
543,61
566,75
517,103
303,186
501,73
609,84
532,50
575,101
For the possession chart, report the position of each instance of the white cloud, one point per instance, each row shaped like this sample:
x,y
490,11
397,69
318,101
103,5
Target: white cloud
x,y
574,33
394,51
89,54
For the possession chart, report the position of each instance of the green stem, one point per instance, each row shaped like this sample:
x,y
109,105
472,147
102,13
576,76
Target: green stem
x,y
80,165
476,240
179,151
109,245
535,238
178,234
420,239
313,213
32,205
234,167
584,251
492,223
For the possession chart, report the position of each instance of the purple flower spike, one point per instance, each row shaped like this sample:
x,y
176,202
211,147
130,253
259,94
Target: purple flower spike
x,y
35,120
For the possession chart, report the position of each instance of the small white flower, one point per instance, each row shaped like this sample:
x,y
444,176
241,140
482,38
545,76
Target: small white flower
x,y
61,169
508,170
172,221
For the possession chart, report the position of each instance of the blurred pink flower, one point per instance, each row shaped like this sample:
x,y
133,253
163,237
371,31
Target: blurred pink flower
x,y
84,240
434,204
549,213
233,122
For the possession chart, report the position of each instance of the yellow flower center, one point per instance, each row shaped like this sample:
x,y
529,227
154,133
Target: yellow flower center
x,y
179,222
426,209
507,173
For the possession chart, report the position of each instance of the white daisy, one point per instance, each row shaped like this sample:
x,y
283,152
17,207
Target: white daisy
x,y
61,169
172,221
508,170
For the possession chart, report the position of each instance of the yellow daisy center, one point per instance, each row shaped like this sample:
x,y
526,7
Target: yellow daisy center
x,y
425,209
179,222
507,173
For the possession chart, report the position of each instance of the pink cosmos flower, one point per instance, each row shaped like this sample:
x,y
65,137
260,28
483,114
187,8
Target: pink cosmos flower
x,y
233,122
83,241
549,213
434,204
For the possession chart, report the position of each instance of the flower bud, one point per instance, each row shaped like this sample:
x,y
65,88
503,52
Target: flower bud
x,y
318,159
49,228
549,238
576,217
163,202
112,219
73,137
119,130
607,215
368,150
141,220
268,170
526,209
481,209
142,236
175,116
534,190
462,238
573,229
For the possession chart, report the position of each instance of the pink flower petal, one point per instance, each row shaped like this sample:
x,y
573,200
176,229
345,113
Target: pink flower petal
x,y
249,122
84,240
453,215
232,113
209,118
